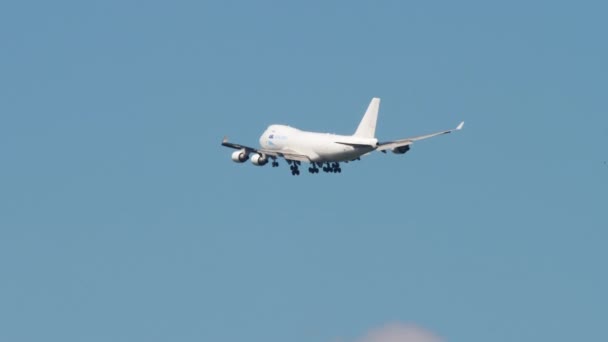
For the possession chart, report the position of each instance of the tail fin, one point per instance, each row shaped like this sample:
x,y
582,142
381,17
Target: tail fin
x,y
367,126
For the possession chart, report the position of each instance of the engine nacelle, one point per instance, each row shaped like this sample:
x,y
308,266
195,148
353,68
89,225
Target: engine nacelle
x,y
240,156
401,149
259,160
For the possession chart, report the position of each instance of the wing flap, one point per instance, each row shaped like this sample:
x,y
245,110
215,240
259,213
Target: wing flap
x,y
393,144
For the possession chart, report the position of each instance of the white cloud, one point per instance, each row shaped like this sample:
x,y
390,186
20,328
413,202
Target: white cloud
x,y
399,332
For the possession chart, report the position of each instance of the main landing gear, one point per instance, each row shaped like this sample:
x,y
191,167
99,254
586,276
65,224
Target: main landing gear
x,y
314,167
332,167
294,167
329,167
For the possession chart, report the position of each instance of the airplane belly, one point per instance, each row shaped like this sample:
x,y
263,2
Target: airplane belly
x,y
340,152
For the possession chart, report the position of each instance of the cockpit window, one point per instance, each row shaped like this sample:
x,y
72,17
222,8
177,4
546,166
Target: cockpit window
x,y
271,136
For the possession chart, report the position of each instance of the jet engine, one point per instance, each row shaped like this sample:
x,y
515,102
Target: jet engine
x,y
259,160
240,156
401,149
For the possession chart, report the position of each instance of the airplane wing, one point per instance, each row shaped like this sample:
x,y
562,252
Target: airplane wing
x,y
237,146
389,145
286,154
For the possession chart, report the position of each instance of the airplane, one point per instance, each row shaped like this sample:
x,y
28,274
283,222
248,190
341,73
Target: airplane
x,y
322,150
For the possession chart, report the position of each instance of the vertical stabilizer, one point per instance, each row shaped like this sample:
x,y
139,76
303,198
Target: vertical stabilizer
x,y
367,126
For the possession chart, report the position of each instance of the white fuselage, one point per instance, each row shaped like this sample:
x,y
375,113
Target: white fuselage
x,y
318,147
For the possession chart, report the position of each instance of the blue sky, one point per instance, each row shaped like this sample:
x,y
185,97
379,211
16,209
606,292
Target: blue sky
x,y
122,218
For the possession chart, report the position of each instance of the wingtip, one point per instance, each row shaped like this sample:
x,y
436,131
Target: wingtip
x,y
460,126
225,140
